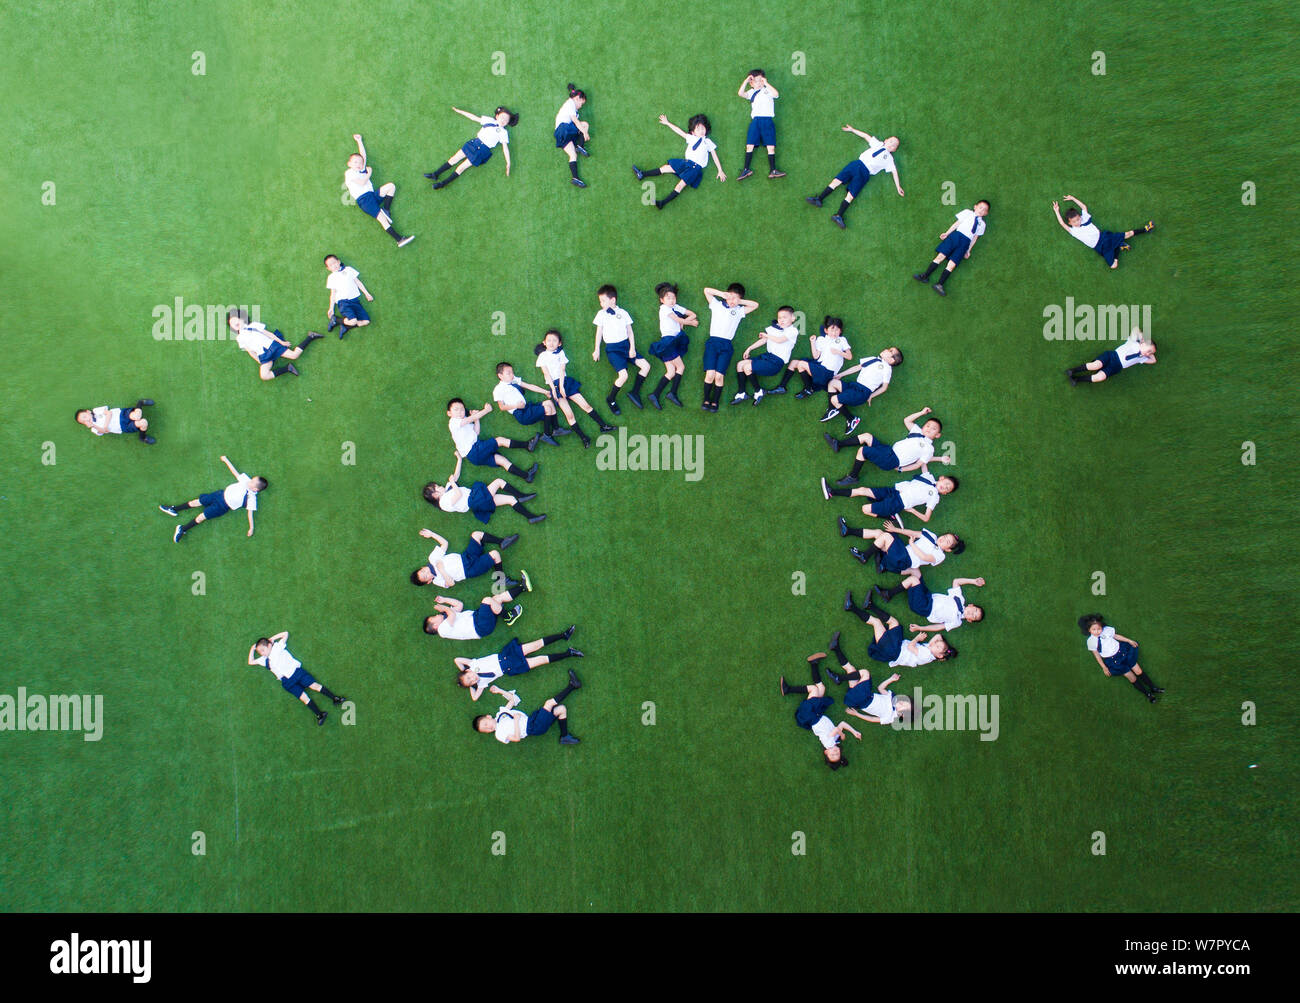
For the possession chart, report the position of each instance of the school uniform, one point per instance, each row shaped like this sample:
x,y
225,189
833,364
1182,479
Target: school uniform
x,y
944,608
116,418
862,696
255,338
1104,242
566,125
856,173
762,117
347,293
958,242
229,498
362,190
469,625
720,346
915,447
903,556
478,500
293,677
1128,354
478,151
894,649
615,326
828,362
554,367
510,723
777,355
696,158
1117,656
512,396
673,341
873,373
464,433
469,563
811,714
920,490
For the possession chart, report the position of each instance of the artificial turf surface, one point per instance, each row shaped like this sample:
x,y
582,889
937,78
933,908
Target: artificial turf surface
x,y
225,188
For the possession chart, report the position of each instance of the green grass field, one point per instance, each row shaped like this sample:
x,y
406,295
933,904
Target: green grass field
x,y
225,188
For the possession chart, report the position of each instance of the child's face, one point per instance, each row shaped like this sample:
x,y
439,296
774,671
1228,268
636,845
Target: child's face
x,y
944,485
981,208
432,623
833,754
262,649
892,356
354,161
669,298
507,375
457,410
1094,629
424,575
759,80
947,542
891,144
333,263
607,301
84,418
552,342
236,323
1074,220
932,429
972,613
733,299
833,331
938,647
1148,350
486,725
784,318
579,100
468,678
700,129
503,118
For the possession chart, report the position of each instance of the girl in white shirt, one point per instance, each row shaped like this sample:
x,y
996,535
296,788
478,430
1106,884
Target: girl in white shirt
x,y
1117,655
571,132
478,151
553,363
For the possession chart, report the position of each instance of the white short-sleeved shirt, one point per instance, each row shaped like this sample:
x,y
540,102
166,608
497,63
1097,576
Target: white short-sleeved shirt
x,y
877,159
762,102
824,729
910,658
915,447
488,669
670,317
698,149
1087,232
881,707
254,337
464,433
111,415
238,495
453,563
615,327
723,319
1130,352
459,626
492,132
509,394
874,373
552,364
926,545
358,182
343,283
509,724
920,490
279,661
781,349
828,350
568,113
1105,644
970,225
454,500
947,608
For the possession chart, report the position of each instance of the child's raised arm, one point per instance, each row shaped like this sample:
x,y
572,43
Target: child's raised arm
x,y
468,114
429,534
861,135
455,472
1082,208
911,418
663,120
718,164
361,149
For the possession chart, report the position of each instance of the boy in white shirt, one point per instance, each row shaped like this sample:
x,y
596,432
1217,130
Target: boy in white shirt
x,y
510,725
478,151
1079,225
446,570
273,654
873,379
479,498
761,96
956,243
942,610
690,166
360,184
345,289
464,428
879,707
455,622
105,420
829,351
614,330
509,395
878,157
911,452
241,494
264,347
917,496
726,311
778,343
1135,351
899,550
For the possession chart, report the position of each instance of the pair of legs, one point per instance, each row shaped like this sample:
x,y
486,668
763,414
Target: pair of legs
x,y
746,371
853,176
499,459
298,685
804,368
672,377
859,458
562,401
268,370
1142,682
1111,253
503,493
943,279
141,423
378,207
457,161
654,172
884,497
620,378
772,172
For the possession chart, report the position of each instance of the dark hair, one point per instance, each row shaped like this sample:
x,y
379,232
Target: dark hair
x,y
665,287
842,761
575,93
325,260
503,365
262,640
955,483
932,418
514,117
426,624
1071,213
427,493
83,410
736,288
986,202
1089,619
829,321
415,577
699,120
959,546
786,308
474,724
265,483
900,354
460,678
455,400
234,311
757,73
978,607
539,348
950,653
607,290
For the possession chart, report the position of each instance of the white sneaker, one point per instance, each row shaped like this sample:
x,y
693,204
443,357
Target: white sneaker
x,y
826,492
758,396
740,397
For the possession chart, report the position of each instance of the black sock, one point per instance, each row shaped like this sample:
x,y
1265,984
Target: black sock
x,y
929,271
512,469
838,652
446,166
559,697
143,436
311,706
654,172
891,592
558,658
669,197
749,155
448,179
305,342
488,538
386,202
857,467
573,168
771,161
522,509
677,383
846,412
880,611
844,206
661,385
946,275
189,525
612,396
392,232
516,591
637,383
861,614
279,370
742,382
509,489
816,668
563,722
517,444
807,381
826,192
841,492
326,691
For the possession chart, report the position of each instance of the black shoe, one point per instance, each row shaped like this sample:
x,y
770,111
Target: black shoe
x,y
506,541
291,369
654,401
577,182
938,287
640,174
586,442
563,431
144,402
343,329
636,401
530,473
167,510
804,394
814,200
831,412
574,681
532,443
713,406
848,598
862,558
831,441
835,676
525,499
846,481
775,391
581,150
826,491
1157,689
876,595
1152,698
919,277
575,653
548,440
313,335
320,717
148,440
440,184
746,173
671,398
511,583
607,428
844,527
835,641
838,220
338,699
614,409
772,175
785,690
538,518
569,740
432,177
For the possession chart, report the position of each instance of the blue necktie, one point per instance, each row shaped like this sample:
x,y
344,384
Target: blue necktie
x,y
877,153
610,311
697,143
961,606
974,226
916,435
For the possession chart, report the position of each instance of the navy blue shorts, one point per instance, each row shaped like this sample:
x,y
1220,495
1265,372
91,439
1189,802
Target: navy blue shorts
x,y
130,426
853,393
860,694
854,177
766,364
483,453
571,386
540,721
812,710
273,351
530,414
881,454
920,600
717,354
214,504
1123,660
672,347
820,374
485,621
480,502
888,502
566,133
1110,364
512,658
351,309
298,682
618,356
688,170
955,246
369,203
475,559
1108,245
476,153
897,559
762,131
890,645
